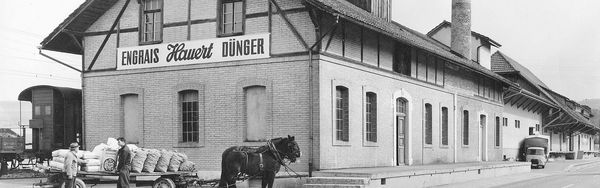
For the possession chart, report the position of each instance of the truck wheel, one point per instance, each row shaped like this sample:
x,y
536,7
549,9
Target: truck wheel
x,y
163,183
78,183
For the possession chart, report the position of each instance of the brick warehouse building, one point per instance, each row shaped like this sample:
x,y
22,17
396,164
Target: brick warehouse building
x,y
343,78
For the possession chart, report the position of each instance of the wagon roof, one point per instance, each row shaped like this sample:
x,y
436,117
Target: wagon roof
x,y
66,92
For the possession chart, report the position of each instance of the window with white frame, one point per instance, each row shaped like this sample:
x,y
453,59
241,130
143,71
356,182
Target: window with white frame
x,y
371,116
231,17
151,21
465,133
341,113
428,124
189,109
497,132
444,125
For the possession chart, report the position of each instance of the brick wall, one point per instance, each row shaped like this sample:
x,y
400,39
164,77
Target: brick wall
x,y
223,121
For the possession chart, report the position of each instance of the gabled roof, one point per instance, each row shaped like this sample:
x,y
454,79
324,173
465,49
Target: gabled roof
x,y
502,63
77,22
475,34
8,133
576,115
400,33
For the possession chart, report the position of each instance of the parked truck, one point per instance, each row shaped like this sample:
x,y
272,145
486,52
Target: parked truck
x,y
535,150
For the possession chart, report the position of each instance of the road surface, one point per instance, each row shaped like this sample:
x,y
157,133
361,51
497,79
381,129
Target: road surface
x,y
557,174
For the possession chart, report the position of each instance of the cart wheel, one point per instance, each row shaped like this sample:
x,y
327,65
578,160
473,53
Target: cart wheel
x,y
78,183
163,183
109,164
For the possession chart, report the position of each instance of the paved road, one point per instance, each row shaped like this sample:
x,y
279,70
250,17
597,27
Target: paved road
x,y
557,174
28,183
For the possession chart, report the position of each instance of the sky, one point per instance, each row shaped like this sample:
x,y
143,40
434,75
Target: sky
x,y
556,39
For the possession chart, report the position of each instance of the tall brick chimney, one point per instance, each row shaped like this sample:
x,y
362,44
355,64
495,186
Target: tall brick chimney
x,y
461,27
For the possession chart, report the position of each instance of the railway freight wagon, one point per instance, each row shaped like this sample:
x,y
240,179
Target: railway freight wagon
x,y
56,116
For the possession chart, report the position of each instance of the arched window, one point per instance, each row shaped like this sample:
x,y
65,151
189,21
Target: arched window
x,y
497,131
428,124
465,127
341,113
189,109
371,116
444,126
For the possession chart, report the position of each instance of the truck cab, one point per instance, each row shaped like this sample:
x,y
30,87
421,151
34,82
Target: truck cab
x,y
537,157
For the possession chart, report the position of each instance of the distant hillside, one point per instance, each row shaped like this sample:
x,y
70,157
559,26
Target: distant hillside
x,y
592,103
9,113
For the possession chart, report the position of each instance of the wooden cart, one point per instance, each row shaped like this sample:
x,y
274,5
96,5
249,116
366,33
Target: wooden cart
x,y
164,179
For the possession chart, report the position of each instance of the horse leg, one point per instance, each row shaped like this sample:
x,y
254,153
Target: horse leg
x,y
267,180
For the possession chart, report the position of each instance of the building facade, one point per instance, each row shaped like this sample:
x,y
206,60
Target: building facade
x,y
350,85
539,110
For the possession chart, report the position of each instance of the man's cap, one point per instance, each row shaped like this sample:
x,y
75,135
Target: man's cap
x,y
74,145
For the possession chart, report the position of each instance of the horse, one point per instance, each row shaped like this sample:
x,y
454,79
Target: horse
x,y
264,161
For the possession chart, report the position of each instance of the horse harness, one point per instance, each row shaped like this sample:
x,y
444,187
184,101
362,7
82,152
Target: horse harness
x,y
271,147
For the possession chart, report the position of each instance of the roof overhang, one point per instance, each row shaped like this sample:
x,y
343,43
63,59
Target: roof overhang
x,y
65,37
402,34
525,100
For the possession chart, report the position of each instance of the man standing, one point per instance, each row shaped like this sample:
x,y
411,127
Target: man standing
x,y
123,163
72,165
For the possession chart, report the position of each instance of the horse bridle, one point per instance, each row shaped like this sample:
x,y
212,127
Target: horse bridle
x,y
276,152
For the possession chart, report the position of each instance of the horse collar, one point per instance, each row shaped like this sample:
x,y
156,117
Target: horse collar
x,y
275,152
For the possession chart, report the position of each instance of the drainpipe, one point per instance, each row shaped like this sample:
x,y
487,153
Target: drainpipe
x,y
310,93
455,128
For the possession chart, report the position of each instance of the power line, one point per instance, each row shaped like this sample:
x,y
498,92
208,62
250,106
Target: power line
x,y
35,73
32,59
39,76
21,31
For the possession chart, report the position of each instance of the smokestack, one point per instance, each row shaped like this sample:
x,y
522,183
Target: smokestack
x,y
461,27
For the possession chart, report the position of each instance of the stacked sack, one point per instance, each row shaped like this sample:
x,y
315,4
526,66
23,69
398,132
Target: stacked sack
x,y
58,158
163,162
152,160
137,162
92,161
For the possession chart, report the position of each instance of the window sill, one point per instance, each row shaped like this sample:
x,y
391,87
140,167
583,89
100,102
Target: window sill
x,y
428,146
465,146
150,42
188,145
444,147
370,144
341,143
230,34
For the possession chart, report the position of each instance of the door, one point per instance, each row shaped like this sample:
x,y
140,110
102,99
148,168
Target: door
x,y
131,118
400,131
